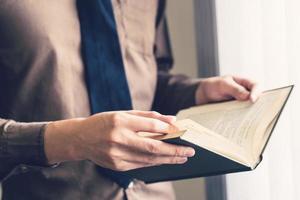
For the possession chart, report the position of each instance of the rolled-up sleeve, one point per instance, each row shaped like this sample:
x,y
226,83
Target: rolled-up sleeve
x,y
173,92
20,144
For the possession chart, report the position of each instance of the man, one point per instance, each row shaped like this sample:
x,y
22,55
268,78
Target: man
x,y
63,64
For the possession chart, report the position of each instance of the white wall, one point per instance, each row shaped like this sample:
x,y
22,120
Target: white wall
x,y
182,32
261,39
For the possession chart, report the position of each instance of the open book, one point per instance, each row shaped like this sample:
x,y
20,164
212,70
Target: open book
x,y
228,137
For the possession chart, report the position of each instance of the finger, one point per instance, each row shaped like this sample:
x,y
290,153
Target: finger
x,y
145,124
255,93
123,158
150,160
151,146
236,90
128,165
154,114
132,156
122,165
251,85
247,83
160,160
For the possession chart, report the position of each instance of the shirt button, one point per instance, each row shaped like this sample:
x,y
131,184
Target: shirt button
x,y
24,168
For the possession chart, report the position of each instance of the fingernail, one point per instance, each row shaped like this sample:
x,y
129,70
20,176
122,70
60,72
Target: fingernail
x,y
190,152
172,118
164,126
253,98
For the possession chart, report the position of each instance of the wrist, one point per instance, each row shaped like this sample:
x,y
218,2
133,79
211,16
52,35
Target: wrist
x,y
59,141
201,96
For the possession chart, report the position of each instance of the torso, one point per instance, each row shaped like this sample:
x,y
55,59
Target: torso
x,y
42,78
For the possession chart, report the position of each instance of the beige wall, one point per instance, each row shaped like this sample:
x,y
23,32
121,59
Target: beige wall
x,y
182,32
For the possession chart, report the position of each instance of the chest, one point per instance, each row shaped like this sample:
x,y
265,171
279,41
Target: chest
x,y
32,23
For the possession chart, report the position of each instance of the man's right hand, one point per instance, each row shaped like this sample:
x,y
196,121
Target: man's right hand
x,y
110,140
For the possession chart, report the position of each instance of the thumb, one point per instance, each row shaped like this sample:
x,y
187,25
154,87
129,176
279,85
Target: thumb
x,y
146,124
238,91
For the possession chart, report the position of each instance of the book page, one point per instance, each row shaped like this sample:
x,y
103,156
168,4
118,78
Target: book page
x,y
205,138
242,123
261,142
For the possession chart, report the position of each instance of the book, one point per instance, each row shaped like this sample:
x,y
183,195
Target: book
x,y
227,137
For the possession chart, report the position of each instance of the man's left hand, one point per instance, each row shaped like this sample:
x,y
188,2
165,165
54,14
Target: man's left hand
x,y
222,88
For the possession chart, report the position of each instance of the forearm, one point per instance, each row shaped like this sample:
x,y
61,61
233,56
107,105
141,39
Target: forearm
x,y
38,144
174,92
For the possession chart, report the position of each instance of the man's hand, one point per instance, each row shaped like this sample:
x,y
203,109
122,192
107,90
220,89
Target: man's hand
x,y
110,140
225,88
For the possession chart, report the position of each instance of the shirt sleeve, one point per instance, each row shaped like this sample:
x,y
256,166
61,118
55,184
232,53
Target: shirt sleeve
x,y
20,144
173,92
